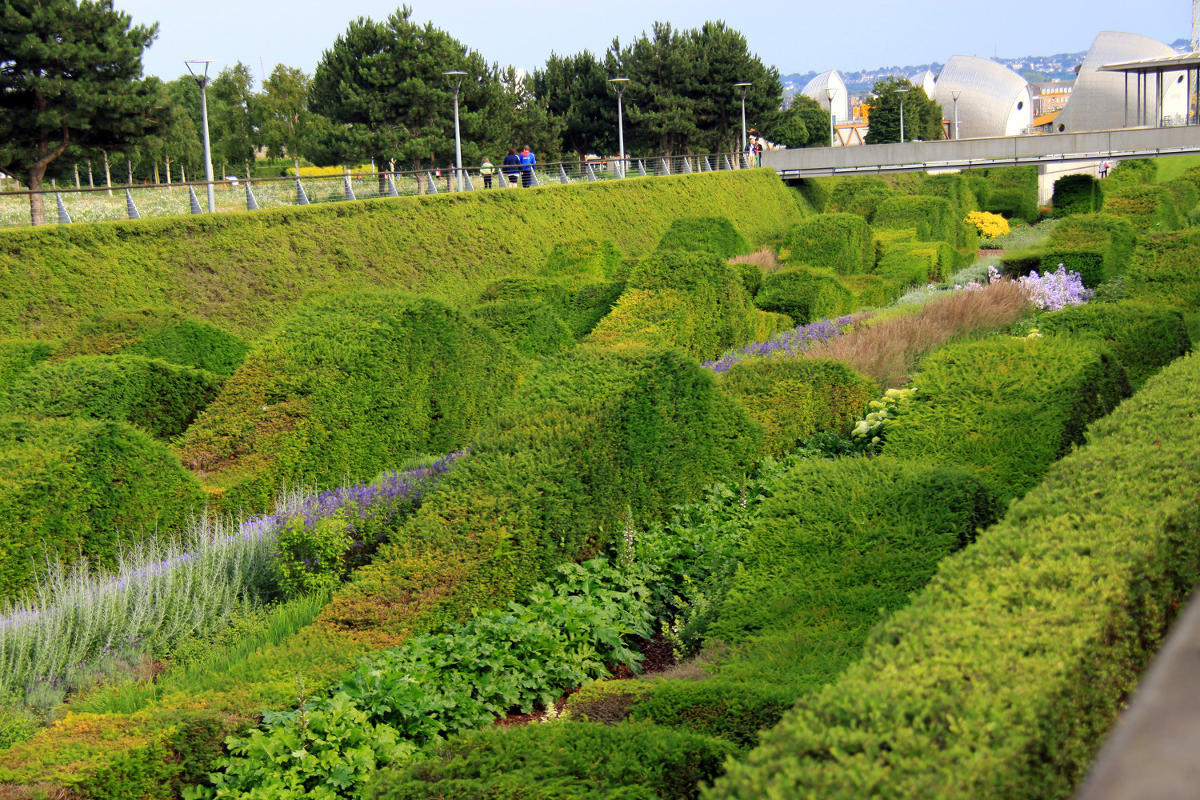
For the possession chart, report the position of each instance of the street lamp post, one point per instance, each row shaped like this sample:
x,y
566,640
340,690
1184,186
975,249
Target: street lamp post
x,y
202,79
831,93
902,91
457,76
619,85
744,87
955,95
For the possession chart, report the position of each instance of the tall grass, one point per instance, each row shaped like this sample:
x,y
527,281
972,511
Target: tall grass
x,y
764,258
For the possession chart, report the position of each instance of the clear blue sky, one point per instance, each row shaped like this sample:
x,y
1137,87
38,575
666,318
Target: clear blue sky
x,y
795,36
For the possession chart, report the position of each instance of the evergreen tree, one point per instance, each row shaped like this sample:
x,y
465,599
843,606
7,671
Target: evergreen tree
x,y
70,77
575,90
284,118
803,124
922,116
233,108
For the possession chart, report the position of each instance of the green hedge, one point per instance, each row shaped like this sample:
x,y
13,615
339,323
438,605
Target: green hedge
x,y
955,188
840,242
1097,246
561,761
715,235
581,304
931,217
980,188
160,333
1134,171
814,194
531,327
804,296
18,356
1144,339
794,398
76,486
160,398
1163,269
247,271
907,262
1186,195
859,195
1009,406
1002,676
348,386
690,300
588,259
1013,192
595,441
1150,208
1077,194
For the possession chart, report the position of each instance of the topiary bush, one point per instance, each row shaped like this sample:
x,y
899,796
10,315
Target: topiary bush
x,y
588,259
1163,269
1134,171
1008,406
906,262
804,296
714,235
1097,246
839,242
933,218
693,301
1013,192
581,304
18,356
860,194
531,327
1142,338
561,761
794,398
1076,194
351,385
952,186
1149,208
161,333
160,398
77,486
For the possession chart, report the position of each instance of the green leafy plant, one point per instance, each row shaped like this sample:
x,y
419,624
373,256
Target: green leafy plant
x,y
312,554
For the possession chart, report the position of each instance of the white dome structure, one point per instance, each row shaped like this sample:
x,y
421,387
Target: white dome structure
x,y
1098,101
992,99
924,80
818,89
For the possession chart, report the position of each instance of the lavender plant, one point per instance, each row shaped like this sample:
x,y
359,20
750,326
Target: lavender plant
x,y
1056,290
788,343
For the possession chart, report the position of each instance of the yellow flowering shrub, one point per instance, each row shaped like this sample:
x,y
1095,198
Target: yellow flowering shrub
x,y
989,225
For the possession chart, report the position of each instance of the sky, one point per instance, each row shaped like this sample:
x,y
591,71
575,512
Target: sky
x,y
795,37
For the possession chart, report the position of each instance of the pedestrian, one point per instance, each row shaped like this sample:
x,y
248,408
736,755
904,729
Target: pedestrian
x,y
487,170
512,163
1104,166
528,160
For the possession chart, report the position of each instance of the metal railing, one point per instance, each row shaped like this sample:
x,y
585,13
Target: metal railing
x,y
94,204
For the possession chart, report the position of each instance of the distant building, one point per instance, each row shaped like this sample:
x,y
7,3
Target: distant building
x,y
1050,96
819,89
992,99
924,80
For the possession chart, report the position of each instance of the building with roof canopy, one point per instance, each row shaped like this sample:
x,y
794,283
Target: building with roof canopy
x,y
818,89
992,99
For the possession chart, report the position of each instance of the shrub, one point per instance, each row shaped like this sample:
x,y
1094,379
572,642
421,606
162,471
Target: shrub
x,y
814,193
840,242
1144,339
17,356
1163,268
750,273
859,195
160,398
596,440
989,225
161,333
531,327
794,398
581,305
1009,406
874,291
1013,193
347,387
952,186
561,761
1073,598
804,296
1134,171
1150,208
590,259
692,301
714,235
933,218
1077,194
906,263
1097,246
980,188
1186,195
74,486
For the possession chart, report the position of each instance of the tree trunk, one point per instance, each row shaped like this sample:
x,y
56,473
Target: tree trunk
x,y
182,174
37,205
107,175
157,180
91,182
76,174
129,171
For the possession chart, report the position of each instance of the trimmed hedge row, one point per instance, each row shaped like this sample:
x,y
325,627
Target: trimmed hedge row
x,y
1013,192
350,385
839,242
1076,194
75,486
18,356
1163,269
586,259
906,262
1003,675
579,303
246,271
160,398
1009,406
715,235
859,195
1150,208
1097,246
690,300
933,218
531,327
804,295
595,440
794,398
160,333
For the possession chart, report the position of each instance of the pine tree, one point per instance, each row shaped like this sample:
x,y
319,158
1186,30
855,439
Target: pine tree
x,y
71,78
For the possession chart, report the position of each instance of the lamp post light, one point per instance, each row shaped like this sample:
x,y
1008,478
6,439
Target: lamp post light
x,y
619,85
955,95
202,79
831,93
744,87
457,76
902,90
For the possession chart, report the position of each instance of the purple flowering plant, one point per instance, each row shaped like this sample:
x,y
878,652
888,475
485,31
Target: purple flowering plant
x,y
791,342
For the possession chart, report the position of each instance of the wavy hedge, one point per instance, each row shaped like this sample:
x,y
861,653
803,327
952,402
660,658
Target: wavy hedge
x,y
859,195
804,295
348,386
839,242
1003,675
162,333
531,327
590,259
580,303
1150,208
1097,246
715,235
596,440
157,397
794,398
1163,268
1077,194
246,271
1009,406
1012,192
76,486
932,218
18,356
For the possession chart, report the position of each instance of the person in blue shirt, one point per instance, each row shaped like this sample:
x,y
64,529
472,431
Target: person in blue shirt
x,y
512,165
527,162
